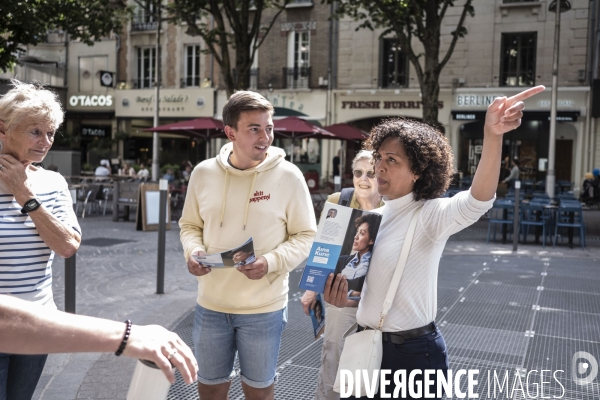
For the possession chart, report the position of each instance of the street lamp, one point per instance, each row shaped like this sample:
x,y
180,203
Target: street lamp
x,y
561,6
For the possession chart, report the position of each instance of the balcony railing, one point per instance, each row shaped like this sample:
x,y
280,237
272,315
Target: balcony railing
x,y
190,81
296,78
146,83
142,23
253,85
253,79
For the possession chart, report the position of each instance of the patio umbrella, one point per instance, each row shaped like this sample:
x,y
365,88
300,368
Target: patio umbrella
x,y
347,132
298,128
203,128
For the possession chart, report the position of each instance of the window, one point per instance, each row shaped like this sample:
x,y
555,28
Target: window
x,y
394,64
518,59
89,72
298,65
146,63
192,65
143,19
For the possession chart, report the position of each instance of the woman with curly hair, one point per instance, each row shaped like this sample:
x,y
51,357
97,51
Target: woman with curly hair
x,y
413,166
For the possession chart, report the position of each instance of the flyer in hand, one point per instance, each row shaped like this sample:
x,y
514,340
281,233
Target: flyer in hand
x,y
343,244
236,257
317,316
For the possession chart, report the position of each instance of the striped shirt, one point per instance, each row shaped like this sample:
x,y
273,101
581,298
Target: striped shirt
x,y
25,260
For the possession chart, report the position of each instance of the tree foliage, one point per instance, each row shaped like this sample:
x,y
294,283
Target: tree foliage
x,y
26,22
229,25
413,19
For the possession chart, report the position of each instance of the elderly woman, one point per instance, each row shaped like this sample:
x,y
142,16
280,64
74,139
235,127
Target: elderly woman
x,y
414,168
364,197
37,219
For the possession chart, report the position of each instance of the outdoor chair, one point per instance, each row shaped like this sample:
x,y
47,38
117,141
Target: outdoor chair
x,y
570,216
534,214
501,214
91,194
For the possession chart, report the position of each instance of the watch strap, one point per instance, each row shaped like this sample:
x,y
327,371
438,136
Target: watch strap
x,y
31,205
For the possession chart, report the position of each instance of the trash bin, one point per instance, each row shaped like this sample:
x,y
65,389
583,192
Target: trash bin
x,y
312,180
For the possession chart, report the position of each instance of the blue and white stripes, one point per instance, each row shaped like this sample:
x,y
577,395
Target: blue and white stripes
x,y
25,260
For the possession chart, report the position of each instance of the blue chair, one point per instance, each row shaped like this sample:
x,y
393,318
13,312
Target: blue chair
x,y
534,214
500,214
570,215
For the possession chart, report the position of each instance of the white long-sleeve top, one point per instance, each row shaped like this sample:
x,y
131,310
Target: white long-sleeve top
x,y
415,304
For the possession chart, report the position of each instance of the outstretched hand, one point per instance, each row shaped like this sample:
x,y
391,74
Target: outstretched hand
x,y
155,343
505,113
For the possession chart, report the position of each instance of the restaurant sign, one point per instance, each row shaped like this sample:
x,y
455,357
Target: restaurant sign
x,y
172,103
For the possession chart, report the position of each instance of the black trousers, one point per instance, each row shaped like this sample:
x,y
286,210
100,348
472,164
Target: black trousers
x,y
424,352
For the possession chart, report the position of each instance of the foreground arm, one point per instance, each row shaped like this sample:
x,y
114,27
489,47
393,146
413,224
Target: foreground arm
x,y
502,116
31,329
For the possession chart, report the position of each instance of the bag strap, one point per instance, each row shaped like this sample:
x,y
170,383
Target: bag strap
x,y
346,197
389,298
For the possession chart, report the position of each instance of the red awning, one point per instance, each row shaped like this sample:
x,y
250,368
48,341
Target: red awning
x,y
297,128
203,128
347,132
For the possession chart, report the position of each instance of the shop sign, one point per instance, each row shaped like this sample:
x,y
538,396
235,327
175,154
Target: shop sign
x,y
386,104
91,101
95,131
470,100
172,103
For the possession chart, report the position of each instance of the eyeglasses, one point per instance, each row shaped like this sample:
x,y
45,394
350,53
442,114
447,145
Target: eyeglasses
x,y
359,172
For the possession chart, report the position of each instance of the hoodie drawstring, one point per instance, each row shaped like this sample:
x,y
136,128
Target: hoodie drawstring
x,y
224,196
248,200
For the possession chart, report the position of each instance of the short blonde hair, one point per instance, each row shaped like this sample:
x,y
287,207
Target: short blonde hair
x,y
362,155
27,101
244,101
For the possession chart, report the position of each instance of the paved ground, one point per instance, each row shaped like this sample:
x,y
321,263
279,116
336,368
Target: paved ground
x,y
527,311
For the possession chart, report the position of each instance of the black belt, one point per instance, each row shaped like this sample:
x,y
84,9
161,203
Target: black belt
x,y
401,337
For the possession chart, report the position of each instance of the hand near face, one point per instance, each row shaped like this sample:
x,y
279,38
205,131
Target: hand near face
x,y
255,270
14,175
195,267
504,114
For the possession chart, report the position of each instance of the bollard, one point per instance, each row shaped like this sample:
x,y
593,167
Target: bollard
x,y
162,227
337,183
70,264
516,216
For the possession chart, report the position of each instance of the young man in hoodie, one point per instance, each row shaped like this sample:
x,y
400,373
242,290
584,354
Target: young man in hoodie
x,y
248,190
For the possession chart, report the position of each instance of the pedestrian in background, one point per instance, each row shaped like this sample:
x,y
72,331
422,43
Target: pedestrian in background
x,y
248,190
514,174
37,219
364,196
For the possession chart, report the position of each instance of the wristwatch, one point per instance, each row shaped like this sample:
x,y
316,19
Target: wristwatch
x,y
30,205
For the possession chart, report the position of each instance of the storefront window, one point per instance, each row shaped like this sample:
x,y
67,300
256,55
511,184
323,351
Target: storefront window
x,y
518,59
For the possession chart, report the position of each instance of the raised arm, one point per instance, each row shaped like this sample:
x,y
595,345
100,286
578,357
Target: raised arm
x,y
502,116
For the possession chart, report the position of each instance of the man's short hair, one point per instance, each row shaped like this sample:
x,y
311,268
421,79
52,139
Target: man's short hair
x,y
244,101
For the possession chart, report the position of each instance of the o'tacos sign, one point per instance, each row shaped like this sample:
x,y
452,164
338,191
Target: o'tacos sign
x,y
90,102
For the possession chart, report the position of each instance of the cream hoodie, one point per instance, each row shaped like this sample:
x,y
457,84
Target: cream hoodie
x,y
225,206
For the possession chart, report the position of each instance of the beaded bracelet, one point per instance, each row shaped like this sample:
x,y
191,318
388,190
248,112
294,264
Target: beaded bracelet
x,y
125,337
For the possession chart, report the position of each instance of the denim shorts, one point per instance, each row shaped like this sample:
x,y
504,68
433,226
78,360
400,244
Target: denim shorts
x,y
255,337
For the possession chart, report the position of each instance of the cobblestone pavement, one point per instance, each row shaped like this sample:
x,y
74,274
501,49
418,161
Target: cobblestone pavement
x,y
118,281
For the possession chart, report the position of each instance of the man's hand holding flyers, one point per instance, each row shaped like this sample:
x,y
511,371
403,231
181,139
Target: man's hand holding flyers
x,y
255,270
195,267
